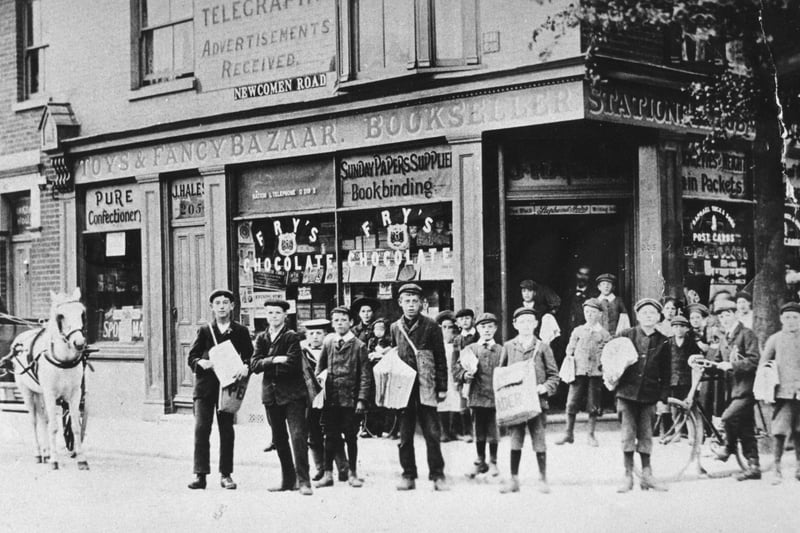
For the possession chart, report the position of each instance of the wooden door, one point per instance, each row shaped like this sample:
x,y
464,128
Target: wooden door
x,y
190,287
21,280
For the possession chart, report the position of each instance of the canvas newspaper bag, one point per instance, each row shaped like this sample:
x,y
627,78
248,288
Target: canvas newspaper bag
x,y
231,392
515,393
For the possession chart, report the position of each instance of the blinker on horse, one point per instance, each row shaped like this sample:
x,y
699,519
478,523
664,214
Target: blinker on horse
x,y
48,366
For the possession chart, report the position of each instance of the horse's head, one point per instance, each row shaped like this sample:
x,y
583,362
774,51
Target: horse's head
x,y
68,319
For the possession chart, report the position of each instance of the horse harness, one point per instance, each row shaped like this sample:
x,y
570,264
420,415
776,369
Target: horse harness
x,y
32,366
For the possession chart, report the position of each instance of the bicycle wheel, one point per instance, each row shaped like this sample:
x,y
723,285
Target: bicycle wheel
x,y
678,439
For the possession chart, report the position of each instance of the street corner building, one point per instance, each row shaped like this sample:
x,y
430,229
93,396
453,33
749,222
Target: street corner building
x,y
321,151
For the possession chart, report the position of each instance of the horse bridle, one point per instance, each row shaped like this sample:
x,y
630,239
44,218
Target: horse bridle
x,y
65,337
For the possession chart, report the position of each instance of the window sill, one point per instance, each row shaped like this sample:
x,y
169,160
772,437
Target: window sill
x,y
160,89
38,102
431,72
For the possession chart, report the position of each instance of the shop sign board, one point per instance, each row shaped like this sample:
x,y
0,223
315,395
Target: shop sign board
x,y
187,198
644,106
287,187
114,208
396,178
719,176
458,117
791,229
21,214
261,48
572,209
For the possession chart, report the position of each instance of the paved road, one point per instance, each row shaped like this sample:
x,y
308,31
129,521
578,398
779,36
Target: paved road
x,y
139,471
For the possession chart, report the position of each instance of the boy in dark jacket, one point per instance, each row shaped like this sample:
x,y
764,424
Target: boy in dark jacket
x,y
481,392
347,388
206,388
285,396
523,347
640,387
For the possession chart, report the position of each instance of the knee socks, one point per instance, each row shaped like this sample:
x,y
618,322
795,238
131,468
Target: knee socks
x,y
516,455
493,452
541,460
480,446
645,460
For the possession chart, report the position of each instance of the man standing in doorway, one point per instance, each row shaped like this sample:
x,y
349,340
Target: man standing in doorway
x,y
572,311
420,344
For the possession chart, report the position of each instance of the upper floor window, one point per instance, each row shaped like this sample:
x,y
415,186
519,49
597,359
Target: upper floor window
x,y
166,40
33,49
385,38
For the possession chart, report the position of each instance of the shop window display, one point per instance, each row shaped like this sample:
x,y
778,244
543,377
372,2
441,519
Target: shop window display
x,y
384,247
287,257
113,294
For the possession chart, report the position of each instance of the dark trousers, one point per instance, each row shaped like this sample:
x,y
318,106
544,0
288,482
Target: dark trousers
x,y
429,421
292,414
204,409
337,421
636,420
586,389
740,422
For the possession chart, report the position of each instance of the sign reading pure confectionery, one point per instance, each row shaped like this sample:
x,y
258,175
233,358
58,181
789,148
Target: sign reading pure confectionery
x,y
113,208
720,175
397,177
260,48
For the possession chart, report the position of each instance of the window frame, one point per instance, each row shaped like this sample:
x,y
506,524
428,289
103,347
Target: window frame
x,y
423,46
31,46
138,43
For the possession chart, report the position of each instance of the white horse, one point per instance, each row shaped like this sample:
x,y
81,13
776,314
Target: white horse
x,y
49,366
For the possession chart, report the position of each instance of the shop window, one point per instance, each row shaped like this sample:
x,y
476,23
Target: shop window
x,y
165,39
113,294
287,257
383,38
382,248
33,49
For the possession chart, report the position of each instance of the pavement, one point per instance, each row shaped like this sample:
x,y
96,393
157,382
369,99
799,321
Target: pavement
x,y
139,472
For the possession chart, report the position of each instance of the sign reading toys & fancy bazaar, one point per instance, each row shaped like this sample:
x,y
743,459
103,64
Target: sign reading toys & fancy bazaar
x,y
396,178
113,208
264,47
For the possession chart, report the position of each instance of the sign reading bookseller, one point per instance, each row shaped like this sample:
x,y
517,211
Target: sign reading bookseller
x,y
717,176
396,178
246,44
113,208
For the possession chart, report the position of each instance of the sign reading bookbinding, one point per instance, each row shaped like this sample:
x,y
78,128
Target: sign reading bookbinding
x,y
245,44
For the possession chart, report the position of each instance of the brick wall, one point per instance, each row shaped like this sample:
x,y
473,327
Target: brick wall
x,y
46,270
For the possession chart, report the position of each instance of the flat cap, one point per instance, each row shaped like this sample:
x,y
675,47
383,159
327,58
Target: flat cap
x,y
341,309
465,312
411,288
679,320
221,292
644,302
790,307
611,278
445,315
283,304
486,317
316,323
528,284
724,305
594,303
700,308
372,303
744,294
524,311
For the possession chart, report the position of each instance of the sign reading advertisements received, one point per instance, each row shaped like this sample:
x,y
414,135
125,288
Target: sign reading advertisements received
x,y
113,208
396,178
264,47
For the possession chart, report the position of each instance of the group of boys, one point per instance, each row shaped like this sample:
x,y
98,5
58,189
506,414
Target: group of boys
x,y
341,364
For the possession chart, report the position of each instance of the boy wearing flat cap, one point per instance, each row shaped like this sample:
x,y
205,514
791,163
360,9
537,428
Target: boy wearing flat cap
x,y
420,345
784,348
347,389
206,387
284,394
523,347
586,345
316,330
738,357
365,309
744,308
615,316
640,387
481,393
465,319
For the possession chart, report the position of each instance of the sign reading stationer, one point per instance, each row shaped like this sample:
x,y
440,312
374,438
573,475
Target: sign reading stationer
x,y
113,208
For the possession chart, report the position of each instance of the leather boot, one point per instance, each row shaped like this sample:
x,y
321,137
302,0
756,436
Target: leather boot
x,y
478,467
199,482
569,435
777,478
510,485
354,481
226,482
493,471
648,482
592,425
627,484
753,471
342,464
406,483
326,481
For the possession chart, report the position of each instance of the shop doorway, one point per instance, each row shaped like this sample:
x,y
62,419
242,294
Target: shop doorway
x,y
190,287
21,276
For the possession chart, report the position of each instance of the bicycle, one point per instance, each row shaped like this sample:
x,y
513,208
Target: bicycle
x,y
690,421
